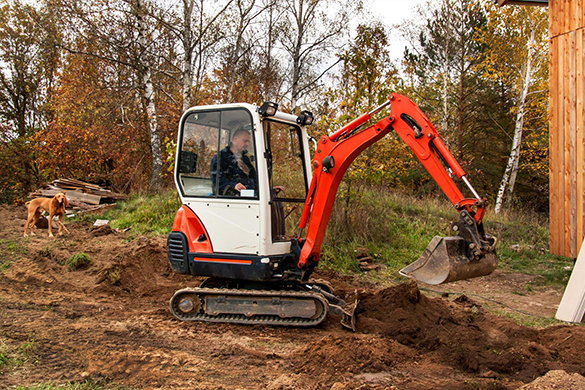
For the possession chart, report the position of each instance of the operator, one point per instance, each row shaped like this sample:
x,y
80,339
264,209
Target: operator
x,y
236,172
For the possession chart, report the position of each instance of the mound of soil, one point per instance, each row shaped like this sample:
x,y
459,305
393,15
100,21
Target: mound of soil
x,y
556,380
108,323
398,325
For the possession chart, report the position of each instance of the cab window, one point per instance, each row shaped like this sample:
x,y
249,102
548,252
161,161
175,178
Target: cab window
x,y
217,155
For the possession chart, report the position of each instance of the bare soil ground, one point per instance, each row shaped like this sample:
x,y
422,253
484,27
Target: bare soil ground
x,y
109,323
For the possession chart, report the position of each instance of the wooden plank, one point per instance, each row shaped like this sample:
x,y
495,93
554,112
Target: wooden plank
x,y
554,13
553,18
572,304
567,151
580,10
560,28
571,114
561,149
552,142
74,195
568,18
554,202
579,95
571,19
560,167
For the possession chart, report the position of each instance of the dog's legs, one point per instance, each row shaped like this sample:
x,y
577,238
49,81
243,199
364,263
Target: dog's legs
x,y
62,224
28,221
36,217
51,225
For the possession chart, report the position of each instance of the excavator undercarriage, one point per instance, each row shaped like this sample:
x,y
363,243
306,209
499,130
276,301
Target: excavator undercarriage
x,y
287,306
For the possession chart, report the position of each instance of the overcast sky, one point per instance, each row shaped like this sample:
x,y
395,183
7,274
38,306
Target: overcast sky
x,y
394,12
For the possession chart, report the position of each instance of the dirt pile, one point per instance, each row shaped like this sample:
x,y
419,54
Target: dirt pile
x,y
399,325
461,333
557,380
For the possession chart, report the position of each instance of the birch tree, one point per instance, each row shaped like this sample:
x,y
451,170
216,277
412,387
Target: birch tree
x,y
127,37
517,56
144,64
196,24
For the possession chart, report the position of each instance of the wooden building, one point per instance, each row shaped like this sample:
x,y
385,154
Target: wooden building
x,y
566,123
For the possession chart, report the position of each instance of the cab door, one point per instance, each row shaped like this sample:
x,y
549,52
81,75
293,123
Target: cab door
x,y
230,218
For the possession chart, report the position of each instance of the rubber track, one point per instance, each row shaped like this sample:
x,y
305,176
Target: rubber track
x,y
241,318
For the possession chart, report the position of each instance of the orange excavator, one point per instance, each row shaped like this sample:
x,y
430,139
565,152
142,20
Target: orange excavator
x,y
256,207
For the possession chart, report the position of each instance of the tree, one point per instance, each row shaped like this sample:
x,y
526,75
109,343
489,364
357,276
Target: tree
x,y
28,61
517,40
367,78
240,76
309,31
443,61
128,36
92,133
197,26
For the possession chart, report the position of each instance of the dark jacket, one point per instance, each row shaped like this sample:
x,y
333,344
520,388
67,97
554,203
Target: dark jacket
x,y
230,174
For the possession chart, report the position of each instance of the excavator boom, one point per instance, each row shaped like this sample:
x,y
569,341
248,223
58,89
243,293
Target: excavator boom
x,y
470,254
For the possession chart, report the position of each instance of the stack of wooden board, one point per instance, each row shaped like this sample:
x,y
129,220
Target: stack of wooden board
x,y
81,195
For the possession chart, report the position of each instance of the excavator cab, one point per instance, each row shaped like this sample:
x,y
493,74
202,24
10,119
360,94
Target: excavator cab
x,y
257,221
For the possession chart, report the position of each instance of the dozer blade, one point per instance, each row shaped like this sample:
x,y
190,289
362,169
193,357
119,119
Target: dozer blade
x,y
348,318
446,260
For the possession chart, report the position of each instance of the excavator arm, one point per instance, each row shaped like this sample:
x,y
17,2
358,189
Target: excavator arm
x,y
471,253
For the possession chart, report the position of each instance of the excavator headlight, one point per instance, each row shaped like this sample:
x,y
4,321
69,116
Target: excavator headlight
x,y
268,109
305,118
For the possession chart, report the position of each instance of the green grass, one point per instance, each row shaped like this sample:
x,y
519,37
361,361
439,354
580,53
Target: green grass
x,y
524,247
529,320
10,251
143,214
78,260
15,356
394,227
5,265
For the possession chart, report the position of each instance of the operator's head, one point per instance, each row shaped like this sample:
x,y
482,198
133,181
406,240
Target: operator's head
x,y
241,140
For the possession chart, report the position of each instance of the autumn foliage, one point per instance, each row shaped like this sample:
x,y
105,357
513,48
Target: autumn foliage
x,y
105,84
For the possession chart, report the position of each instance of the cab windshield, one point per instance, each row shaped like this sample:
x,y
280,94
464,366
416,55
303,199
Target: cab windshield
x,y
217,155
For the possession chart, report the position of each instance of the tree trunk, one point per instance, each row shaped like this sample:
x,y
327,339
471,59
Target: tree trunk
x,y
445,97
188,57
509,178
155,145
148,95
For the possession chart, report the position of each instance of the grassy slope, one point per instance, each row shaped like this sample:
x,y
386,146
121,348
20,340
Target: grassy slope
x,y
394,228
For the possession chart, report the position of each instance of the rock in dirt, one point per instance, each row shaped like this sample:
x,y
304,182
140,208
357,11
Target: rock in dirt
x,y
557,380
284,382
101,230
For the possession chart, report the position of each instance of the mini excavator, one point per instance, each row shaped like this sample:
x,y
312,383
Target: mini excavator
x,y
249,243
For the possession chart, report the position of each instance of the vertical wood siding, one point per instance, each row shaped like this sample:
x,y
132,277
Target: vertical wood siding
x,y
567,123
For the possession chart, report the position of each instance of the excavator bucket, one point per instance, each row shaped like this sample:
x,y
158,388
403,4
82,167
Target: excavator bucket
x,y
447,259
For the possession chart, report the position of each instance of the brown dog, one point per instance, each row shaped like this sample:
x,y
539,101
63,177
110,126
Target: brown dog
x,y
54,206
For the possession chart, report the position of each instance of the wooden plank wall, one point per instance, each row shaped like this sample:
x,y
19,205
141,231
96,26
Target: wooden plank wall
x,y
567,126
